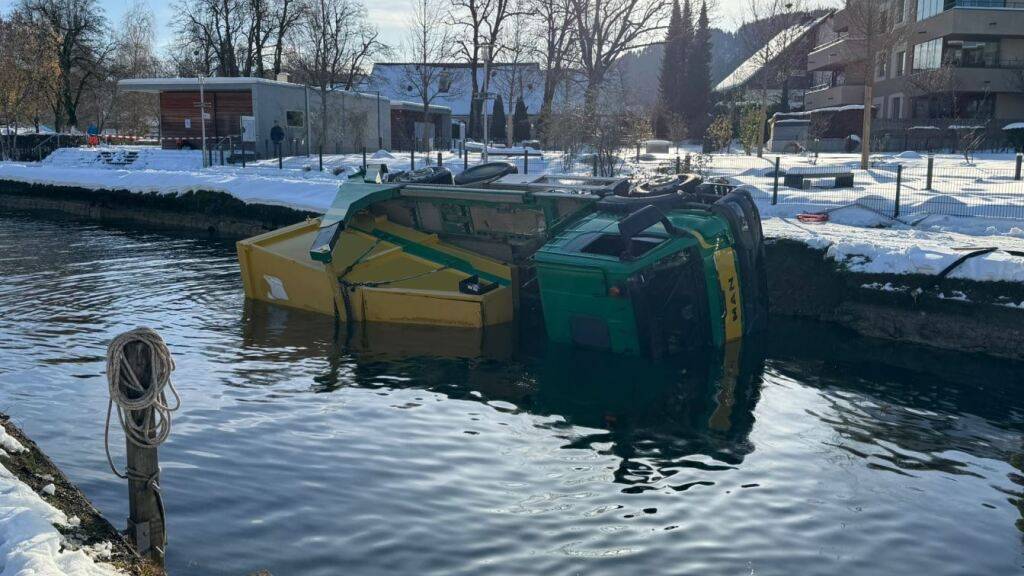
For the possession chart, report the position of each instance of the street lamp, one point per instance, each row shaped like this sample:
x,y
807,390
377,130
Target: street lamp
x,y
485,53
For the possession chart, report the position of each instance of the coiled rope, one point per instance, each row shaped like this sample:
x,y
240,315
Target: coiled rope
x,y
129,394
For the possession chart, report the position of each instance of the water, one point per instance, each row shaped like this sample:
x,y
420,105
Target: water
x,y
399,452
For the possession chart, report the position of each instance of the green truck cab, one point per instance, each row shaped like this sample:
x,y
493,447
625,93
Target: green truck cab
x,y
646,275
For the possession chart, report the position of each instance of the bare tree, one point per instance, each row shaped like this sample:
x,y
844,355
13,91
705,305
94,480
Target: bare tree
x,y
428,42
24,71
481,22
516,78
872,38
554,24
769,29
133,56
331,45
73,34
607,29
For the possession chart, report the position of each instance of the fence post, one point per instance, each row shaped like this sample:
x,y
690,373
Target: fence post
x,y
243,154
440,160
899,184
364,159
465,157
280,156
412,159
209,154
678,165
637,152
595,165
526,160
1016,173
321,152
775,182
928,176
688,164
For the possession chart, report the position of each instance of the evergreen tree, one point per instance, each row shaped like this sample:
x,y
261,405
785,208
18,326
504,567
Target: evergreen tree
x,y
520,122
671,68
497,127
698,75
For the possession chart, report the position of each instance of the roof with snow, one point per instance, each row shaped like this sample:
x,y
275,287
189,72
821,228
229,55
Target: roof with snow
x,y
213,84
769,53
395,81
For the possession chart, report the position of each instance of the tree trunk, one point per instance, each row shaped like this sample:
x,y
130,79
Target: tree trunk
x,y
761,119
865,136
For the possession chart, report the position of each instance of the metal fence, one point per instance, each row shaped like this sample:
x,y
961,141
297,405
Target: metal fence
x,y
898,187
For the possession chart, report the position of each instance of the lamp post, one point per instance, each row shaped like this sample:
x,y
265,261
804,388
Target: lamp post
x,y
202,115
380,134
485,53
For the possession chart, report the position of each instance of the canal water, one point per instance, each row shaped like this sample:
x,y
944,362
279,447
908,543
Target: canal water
x,y
304,450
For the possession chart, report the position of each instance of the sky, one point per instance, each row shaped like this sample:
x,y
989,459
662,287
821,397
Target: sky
x,y
388,15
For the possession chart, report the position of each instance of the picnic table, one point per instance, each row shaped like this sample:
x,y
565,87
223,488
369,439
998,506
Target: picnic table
x,y
800,176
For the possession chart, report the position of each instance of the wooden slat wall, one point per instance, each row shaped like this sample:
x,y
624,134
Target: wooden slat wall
x,y
225,109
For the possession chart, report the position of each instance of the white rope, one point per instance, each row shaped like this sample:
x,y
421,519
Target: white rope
x,y
129,394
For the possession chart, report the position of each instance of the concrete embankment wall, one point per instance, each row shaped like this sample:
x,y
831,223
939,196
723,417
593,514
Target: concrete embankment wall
x,y
206,212
957,314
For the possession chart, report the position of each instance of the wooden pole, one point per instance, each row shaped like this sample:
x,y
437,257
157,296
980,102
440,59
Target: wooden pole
x,y
145,521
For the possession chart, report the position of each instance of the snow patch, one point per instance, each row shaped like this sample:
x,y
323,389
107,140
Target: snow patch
x,y
9,444
29,542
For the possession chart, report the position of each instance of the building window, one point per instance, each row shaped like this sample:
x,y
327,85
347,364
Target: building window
x,y
896,108
883,65
972,54
928,8
928,55
901,63
444,82
900,8
295,118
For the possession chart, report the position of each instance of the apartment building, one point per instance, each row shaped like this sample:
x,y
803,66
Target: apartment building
x,y
957,63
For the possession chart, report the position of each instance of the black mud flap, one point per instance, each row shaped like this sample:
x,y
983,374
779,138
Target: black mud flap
x,y
740,211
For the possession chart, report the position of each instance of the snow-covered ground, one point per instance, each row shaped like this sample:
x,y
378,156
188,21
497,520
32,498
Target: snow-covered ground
x,y
30,544
970,205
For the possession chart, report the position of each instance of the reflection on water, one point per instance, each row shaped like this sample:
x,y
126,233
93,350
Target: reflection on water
x,y
306,449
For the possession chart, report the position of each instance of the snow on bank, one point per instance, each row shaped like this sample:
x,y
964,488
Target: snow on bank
x,y
854,238
30,545
861,237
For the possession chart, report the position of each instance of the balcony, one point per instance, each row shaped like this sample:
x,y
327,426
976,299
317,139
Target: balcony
x,y
979,18
834,55
825,96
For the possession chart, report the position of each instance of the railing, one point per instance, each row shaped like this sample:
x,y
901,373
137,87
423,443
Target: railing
x,y
834,41
997,4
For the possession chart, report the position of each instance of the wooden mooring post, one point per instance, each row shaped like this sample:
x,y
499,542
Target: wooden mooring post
x,y
140,400
145,521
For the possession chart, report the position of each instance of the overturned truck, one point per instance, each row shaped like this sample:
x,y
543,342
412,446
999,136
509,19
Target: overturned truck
x,y
631,268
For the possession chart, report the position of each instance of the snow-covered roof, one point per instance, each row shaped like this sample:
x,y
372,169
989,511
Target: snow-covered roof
x,y
778,116
214,84
779,44
1014,126
511,81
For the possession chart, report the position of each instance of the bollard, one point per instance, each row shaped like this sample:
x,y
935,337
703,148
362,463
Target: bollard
x,y
143,410
595,165
209,154
364,159
465,157
412,159
637,152
775,182
439,160
899,184
243,154
280,156
526,160
928,177
320,149
678,165
1016,173
688,164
